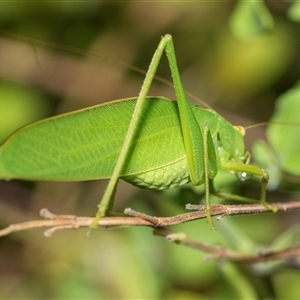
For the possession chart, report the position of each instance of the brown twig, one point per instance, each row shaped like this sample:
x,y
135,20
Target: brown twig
x,y
60,222
219,252
64,222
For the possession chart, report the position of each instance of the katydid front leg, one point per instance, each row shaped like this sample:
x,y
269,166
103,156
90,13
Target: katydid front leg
x,y
253,170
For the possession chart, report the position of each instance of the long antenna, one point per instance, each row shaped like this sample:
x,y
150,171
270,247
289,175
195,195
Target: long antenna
x,y
271,123
71,49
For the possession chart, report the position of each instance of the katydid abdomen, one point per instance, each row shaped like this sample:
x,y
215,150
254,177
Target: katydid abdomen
x,y
84,145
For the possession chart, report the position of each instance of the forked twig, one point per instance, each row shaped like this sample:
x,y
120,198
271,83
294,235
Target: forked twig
x,y
64,222
133,218
220,252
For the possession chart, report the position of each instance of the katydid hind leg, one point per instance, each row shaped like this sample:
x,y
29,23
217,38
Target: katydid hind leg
x,y
199,146
108,197
192,134
167,45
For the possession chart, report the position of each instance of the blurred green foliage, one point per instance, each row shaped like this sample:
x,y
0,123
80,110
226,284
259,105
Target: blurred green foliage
x,y
285,140
240,78
21,106
251,19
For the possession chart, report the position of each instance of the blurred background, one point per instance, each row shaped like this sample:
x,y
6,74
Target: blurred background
x,y
45,70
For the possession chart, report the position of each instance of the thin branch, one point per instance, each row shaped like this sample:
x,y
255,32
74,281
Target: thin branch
x,y
60,222
216,210
219,252
65,222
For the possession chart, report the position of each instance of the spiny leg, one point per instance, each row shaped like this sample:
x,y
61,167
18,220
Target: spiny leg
x,y
107,200
199,146
192,134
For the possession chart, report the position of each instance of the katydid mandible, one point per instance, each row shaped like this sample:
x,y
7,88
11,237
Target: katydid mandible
x,y
151,142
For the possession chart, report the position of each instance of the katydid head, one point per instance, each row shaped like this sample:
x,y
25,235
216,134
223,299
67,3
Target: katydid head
x,y
241,129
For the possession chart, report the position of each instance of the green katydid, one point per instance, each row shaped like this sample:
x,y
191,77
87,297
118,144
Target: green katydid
x,y
151,142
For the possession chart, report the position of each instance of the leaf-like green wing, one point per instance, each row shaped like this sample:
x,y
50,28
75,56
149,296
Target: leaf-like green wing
x,y
85,144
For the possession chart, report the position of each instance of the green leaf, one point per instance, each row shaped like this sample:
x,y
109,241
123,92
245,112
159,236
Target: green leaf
x,y
251,19
19,106
265,157
289,238
294,11
284,133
